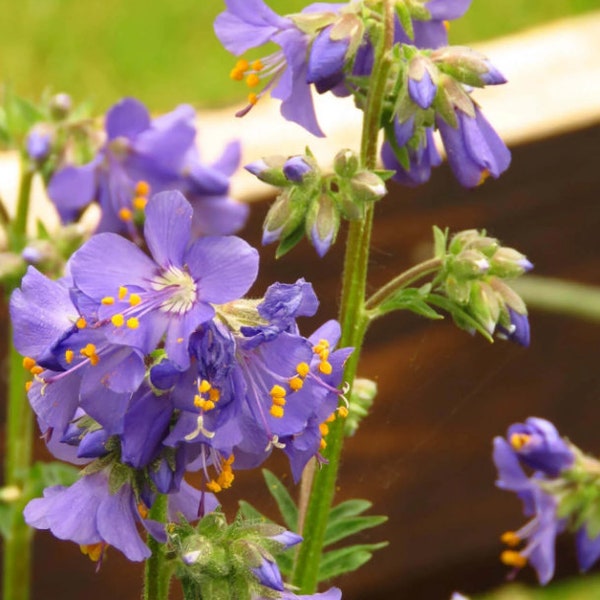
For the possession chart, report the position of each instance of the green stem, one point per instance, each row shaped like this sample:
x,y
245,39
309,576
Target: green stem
x,y
559,296
19,226
354,322
157,574
19,434
403,280
17,463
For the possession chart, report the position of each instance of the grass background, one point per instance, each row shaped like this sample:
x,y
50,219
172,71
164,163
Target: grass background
x,y
165,52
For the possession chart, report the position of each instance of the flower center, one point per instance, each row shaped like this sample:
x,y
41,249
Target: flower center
x,y
182,287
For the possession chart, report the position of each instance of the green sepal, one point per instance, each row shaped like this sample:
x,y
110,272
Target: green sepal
x,y
20,116
440,241
405,18
291,240
413,299
285,503
118,477
345,560
462,319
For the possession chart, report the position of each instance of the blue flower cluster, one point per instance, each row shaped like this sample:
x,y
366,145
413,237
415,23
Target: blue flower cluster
x,y
558,494
329,45
148,365
142,156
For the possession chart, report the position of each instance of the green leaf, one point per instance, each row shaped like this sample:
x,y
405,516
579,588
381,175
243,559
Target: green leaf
x,y
413,299
349,508
249,512
287,506
345,560
21,115
343,528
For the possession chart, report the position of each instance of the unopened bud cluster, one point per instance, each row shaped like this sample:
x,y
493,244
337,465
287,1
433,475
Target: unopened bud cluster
x,y
313,203
237,560
473,274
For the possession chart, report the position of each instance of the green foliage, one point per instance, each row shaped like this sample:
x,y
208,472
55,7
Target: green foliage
x,y
345,520
413,299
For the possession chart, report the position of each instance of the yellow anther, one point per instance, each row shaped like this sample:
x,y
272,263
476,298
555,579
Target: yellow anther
x,y
28,385
302,369
142,188
330,418
213,486
236,74
28,363
228,462
519,440
343,411
123,292
324,354
277,391
81,323
89,352
226,477
295,383
252,80
510,538
36,370
133,323
324,429
139,202
207,405
322,345
198,401
135,299
252,98
279,400
325,367
257,65
242,64
204,386
117,320
484,175
107,300
143,510
94,551
276,411
323,444
179,340
513,559
446,25
125,214
214,395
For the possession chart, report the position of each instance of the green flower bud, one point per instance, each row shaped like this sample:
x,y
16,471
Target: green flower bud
x,y
508,262
285,216
484,305
270,170
322,223
458,291
346,163
469,264
367,187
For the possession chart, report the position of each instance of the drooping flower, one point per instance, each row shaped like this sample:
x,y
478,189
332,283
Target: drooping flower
x,y
289,71
172,293
473,147
91,515
539,534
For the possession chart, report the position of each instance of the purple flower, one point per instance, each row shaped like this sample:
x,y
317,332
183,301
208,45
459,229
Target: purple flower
x,y
296,168
538,445
139,154
474,149
421,158
541,531
39,144
268,574
141,298
251,23
330,594
518,331
89,515
588,548
421,87
326,60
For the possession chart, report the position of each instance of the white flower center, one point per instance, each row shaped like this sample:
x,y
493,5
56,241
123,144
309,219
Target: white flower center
x,y
182,288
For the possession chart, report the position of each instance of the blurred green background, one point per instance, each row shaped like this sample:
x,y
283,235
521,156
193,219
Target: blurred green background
x,y
165,52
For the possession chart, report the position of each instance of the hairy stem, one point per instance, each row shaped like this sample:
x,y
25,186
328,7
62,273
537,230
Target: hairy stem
x,y
403,280
157,573
353,319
